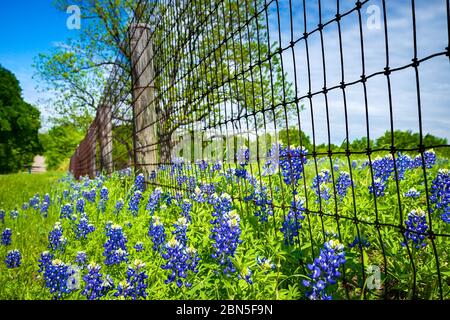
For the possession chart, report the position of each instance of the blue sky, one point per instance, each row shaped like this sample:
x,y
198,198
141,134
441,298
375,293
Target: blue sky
x,y
27,29
30,27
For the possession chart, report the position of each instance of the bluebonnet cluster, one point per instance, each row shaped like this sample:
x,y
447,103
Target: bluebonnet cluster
x,y
65,194
80,205
152,175
104,196
265,264
186,207
66,211
180,231
135,286
153,201
56,239
45,259
319,185
96,287
14,214
216,166
45,205
412,193
325,270
90,195
262,202
177,165
416,228
242,157
13,259
202,165
291,162
208,190
34,202
157,233
429,158
360,242
440,194
133,206
139,183
118,207
2,216
403,163
115,247
292,221
226,232
179,260
83,228
246,274
343,182
57,276
378,188
6,237
81,258
139,246
124,172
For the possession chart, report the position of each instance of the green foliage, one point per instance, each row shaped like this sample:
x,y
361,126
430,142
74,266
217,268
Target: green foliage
x,y
19,125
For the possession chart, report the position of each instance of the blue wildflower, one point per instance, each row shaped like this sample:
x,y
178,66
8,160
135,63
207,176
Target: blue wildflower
x,y
157,233
133,205
118,207
291,162
153,201
6,237
361,242
45,260
2,216
139,183
80,205
319,187
265,264
416,228
96,287
56,239
90,195
202,165
83,228
378,188
59,278
292,221
81,258
13,259
135,286
440,194
66,211
325,270
115,247
412,193
246,274
14,214
343,182
179,260
139,246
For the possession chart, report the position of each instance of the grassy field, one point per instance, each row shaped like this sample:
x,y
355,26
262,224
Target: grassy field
x,y
30,234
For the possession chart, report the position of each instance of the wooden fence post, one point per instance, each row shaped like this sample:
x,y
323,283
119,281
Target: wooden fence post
x,y
144,99
91,149
104,130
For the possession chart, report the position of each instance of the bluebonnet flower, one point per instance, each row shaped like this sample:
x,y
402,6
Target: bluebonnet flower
x,y
319,186
90,195
153,201
208,189
14,214
13,259
65,194
246,274
292,221
81,258
167,198
403,163
292,161
177,165
134,287
119,206
66,211
44,209
361,242
104,197
125,172
139,246
157,233
179,260
378,188
429,158
34,202
186,207
45,260
336,167
133,206
6,237
198,196
139,183
47,198
2,216
383,168
58,276
83,228
343,182
226,232
115,247
25,206
265,264
216,166
262,202
80,205
181,179
96,287
180,231
325,270
416,228
152,175
56,239
412,193
202,165
354,164
440,194
243,157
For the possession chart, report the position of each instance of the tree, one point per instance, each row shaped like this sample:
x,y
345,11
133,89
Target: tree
x,y
186,46
19,126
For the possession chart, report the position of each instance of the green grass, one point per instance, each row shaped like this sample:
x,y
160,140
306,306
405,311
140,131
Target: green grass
x,y
29,235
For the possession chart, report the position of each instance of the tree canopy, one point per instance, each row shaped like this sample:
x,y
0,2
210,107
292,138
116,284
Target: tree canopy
x,y
19,126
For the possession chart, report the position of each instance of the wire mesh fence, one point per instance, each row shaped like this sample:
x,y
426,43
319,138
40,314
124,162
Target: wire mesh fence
x,y
281,104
